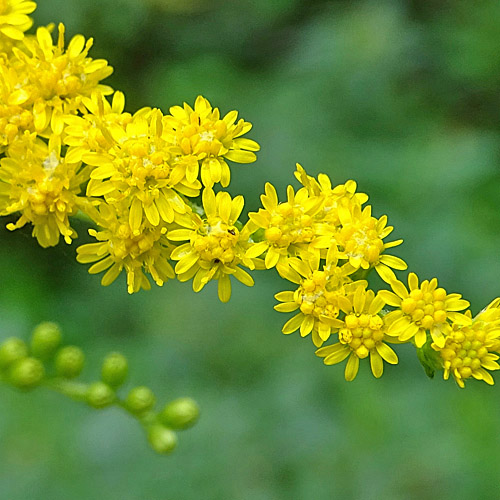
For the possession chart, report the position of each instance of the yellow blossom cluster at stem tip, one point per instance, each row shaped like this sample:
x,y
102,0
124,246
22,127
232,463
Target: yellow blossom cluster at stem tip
x,y
149,183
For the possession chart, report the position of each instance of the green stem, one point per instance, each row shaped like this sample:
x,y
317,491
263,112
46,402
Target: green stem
x,y
74,390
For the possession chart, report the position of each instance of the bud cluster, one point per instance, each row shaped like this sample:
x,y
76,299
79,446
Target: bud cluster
x,y
44,361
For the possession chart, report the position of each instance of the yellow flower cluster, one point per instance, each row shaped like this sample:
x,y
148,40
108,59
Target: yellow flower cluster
x,y
147,182
69,149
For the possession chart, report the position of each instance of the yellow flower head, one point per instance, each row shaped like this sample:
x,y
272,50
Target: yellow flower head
x,y
216,247
139,168
359,239
288,227
14,118
14,19
345,230
38,182
55,79
202,135
90,131
361,334
423,308
337,200
471,350
318,298
119,248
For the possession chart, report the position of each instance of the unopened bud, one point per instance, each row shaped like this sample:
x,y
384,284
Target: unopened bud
x,y
140,400
69,361
45,339
26,373
100,395
180,414
114,369
11,350
161,439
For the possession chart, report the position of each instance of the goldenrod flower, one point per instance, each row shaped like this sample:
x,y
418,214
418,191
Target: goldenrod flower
x,y
38,182
14,118
344,228
318,297
288,227
54,79
361,334
359,239
471,350
421,309
14,19
119,248
139,168
90,132
202,135
216,247
335,200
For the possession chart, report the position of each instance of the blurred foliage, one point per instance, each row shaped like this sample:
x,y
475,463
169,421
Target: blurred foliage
x,y
402,96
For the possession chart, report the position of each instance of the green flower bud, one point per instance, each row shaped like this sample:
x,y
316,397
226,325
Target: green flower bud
x,y
69,361
26,373
140,400
180,413
100,395
45,339
11,350
114,369
162,440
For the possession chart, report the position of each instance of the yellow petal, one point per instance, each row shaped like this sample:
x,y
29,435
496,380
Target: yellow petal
x,y
286,307
224,288
135,215
387,353
376,364
352,367
293,324
394,262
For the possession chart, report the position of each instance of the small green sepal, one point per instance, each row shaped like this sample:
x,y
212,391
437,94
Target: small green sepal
x,y
429,358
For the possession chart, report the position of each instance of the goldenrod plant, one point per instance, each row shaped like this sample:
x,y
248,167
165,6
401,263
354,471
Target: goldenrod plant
x,y
151,187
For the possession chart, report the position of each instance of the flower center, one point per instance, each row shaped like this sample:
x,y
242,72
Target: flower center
x,y
426,308
145,163
361,333
318,295
216,242
361,240
126,244
464,351
289,225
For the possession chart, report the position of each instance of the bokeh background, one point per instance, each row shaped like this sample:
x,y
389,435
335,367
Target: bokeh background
x,y
402,96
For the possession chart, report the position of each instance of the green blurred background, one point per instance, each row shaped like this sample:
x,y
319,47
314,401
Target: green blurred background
x,y
402,96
